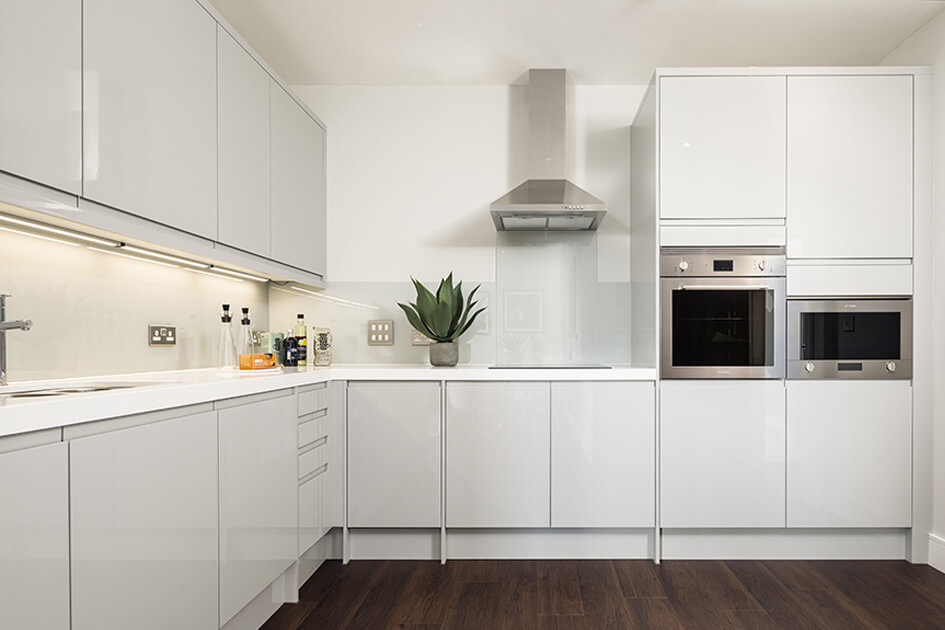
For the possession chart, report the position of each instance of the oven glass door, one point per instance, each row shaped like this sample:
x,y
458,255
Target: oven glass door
x,y
723,328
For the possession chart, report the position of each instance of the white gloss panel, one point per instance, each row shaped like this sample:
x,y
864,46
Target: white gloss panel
x,y
34,538
150,111
603,443
394,455
144,526
258,498
850,166
314,509
498,468
721,147
41,84
848,278
242,148
722,453
849,453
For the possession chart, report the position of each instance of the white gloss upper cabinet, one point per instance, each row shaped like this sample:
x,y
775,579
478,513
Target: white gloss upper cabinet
x,y
849,454
149,110
34,537
603,443
297,170
40,83
721,147
722,453
850,166
498,455
258,496
144,526
243,148
393,454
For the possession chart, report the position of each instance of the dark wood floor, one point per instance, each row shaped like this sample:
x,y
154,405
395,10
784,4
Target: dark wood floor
x,y
585,594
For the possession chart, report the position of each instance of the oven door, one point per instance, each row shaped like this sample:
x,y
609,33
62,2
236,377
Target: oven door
x,y
850,339
722,328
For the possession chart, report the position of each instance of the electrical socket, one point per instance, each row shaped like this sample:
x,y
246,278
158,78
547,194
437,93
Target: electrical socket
x,y
419,339
162,335
380,332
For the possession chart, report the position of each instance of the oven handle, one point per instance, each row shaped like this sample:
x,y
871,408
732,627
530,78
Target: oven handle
x,y
721,287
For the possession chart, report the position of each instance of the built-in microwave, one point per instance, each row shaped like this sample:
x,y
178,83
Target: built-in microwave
x,y
850,338
722,313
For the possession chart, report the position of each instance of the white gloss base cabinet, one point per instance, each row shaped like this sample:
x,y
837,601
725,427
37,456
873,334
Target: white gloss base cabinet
x,y
498,454
144,526
40,123
258,495
34,538
394,454
722,453
849,454
603,464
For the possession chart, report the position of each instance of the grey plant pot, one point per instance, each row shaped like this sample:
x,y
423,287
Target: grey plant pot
x,y
444,354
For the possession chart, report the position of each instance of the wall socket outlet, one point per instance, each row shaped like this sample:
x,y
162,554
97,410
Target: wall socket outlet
x,y
419,339
162,335
380,332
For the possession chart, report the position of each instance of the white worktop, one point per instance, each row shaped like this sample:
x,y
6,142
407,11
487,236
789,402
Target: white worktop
x,y
164,390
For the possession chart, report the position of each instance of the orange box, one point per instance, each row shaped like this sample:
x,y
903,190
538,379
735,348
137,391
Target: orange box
x,y
257,361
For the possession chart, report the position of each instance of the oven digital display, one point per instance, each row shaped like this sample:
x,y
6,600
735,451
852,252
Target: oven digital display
x,y
723,265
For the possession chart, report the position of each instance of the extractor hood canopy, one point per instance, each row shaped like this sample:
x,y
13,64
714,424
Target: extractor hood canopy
x,y
547,201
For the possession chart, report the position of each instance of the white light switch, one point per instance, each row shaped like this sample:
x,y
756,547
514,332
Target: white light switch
x,y
381,333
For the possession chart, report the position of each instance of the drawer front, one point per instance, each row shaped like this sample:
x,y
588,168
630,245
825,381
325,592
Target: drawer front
x,y
313,399
858,279
313,459
313,429
313,511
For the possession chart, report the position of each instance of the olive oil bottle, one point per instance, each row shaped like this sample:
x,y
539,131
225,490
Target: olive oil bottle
x,y
299,334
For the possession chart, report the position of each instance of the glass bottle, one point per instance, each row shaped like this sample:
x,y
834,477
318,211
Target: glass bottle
x,y
226,351
245,342
299,334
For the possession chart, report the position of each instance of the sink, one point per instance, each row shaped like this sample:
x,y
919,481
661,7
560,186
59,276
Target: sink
x,y
51,391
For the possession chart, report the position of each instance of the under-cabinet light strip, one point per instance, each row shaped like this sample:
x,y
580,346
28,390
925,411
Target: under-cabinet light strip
x,y
238,274
330,298
45,238
182,261
46,228
215,275
147,260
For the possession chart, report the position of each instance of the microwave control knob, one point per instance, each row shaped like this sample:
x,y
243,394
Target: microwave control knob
x,y
683,265
891,366
809,367
761,265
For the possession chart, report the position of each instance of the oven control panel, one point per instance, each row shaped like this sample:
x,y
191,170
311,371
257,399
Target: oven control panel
x,y
722,262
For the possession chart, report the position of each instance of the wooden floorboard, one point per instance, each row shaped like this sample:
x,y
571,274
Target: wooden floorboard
x,y
596,594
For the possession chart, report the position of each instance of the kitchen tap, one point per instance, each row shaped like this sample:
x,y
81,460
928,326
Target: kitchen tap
x,y
18,324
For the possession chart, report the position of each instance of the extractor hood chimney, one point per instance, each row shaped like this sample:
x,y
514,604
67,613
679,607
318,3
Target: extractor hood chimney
x,y
547,201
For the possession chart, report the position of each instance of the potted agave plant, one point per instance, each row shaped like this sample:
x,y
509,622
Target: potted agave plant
x,y
442,316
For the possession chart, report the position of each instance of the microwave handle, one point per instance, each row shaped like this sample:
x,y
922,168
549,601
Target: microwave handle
x,y
720,287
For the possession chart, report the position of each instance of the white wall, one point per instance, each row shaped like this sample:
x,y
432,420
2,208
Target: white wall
x,y
927,47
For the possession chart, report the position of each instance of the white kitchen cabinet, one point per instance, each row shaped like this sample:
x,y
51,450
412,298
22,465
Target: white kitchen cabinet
x,y
721,147
149,110
849,453
603,452
144,526
258,495
722,453
498,468
394,454
243,148
40,80
34,537
297,184
314,508
850,166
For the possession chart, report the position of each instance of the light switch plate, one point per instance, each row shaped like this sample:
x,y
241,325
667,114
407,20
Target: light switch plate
x,y
419,339
380,332
162,335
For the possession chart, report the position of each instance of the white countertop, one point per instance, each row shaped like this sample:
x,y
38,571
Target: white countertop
x,y
165,390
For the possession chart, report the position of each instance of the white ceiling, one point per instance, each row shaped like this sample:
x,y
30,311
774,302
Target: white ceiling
x,y
465,42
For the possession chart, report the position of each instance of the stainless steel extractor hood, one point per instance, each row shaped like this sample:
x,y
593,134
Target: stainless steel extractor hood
x,y
547,201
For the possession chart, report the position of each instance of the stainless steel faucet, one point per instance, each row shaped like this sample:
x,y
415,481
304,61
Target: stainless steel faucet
x,y
18,324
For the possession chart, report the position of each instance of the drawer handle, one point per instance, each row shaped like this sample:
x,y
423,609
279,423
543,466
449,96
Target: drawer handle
x,y
315,415
318,472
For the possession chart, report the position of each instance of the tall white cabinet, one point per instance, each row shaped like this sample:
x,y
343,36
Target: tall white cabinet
x,y
41,84
34,537
149,110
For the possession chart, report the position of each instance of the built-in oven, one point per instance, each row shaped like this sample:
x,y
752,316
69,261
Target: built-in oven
x,y
850,338
722,313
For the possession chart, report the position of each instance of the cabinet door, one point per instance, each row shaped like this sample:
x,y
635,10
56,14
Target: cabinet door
x,y
498,455
603,454
721,147
149,110
258,498
40,80
849,454
394,455
298,185
243,147
34,538
722,453
849,163
144,526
